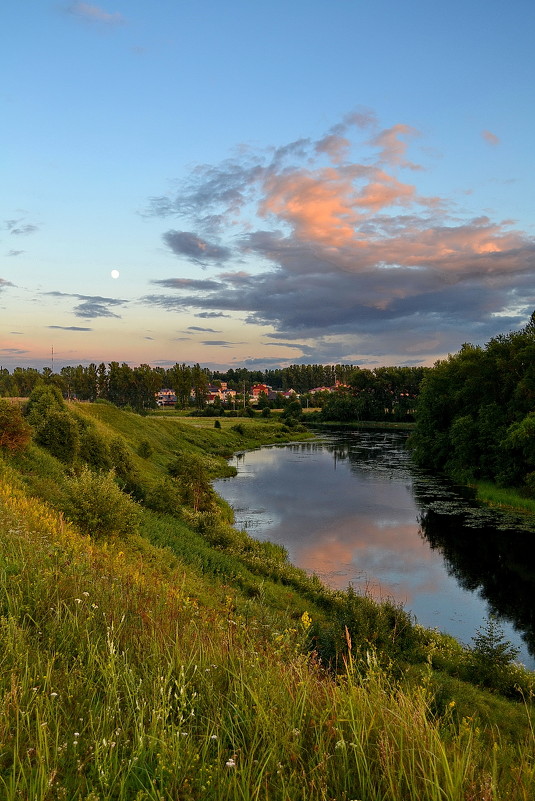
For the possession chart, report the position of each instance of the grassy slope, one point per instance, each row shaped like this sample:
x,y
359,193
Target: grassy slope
x,y
174,670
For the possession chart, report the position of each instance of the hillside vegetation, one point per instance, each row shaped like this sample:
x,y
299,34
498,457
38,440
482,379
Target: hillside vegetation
x,y
150,651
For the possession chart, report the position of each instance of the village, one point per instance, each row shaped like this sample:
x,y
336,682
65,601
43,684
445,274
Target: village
x,y
221,393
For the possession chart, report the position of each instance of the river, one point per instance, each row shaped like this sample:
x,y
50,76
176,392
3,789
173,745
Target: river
x,y
352,508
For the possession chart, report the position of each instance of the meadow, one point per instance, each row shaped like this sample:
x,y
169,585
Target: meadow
x,y
180,659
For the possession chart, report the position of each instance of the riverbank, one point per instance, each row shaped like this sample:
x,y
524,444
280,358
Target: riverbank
x,y
187,660
360,424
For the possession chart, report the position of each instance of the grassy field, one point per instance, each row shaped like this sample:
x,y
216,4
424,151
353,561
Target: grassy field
x,y
186,661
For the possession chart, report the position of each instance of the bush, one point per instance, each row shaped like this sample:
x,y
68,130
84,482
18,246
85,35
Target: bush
x,y
97,505
165,497
15,433
193,481
145,449
58,433
94,450
43,400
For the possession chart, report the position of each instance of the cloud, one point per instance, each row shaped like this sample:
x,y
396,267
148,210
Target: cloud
x,y
205,330
69,328
13,351
187,283
198,250
343,255
15,252
91,306
95,15
220,343
4,283
210,315
490,138
18,228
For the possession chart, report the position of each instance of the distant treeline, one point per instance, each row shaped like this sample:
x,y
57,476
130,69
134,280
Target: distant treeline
x,y
476,412
135,386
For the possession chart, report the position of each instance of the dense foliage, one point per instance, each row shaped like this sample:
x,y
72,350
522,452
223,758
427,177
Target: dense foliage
x,y
476,412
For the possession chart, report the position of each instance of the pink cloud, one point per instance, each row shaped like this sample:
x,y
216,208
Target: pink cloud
x,y
490,138
95,14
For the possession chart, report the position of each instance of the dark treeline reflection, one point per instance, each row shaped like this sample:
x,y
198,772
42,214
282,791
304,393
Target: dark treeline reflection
x,y
499,564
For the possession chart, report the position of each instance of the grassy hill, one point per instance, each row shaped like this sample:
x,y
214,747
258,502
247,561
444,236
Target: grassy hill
x,y
184,660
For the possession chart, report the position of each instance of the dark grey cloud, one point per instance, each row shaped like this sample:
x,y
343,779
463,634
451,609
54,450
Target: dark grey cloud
x,y
198,250
187,283
211,315
91,306
220,343
69,328
204,330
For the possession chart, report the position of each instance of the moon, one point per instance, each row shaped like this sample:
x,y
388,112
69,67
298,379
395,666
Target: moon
x,y
115,273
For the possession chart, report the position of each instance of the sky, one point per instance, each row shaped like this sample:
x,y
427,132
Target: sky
x,y
262,184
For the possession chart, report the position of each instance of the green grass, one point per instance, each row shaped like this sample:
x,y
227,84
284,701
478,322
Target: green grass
x,y
508,498
183,662
120,683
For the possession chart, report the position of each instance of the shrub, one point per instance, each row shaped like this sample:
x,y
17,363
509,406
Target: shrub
x,y
145,449
15,433
42,401
94,450
217,424
164,497
97,505
193,480
58,433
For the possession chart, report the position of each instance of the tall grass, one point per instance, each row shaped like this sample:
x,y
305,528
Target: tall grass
x,y
119,684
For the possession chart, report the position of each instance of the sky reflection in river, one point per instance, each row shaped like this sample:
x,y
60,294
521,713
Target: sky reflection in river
x,y
347,511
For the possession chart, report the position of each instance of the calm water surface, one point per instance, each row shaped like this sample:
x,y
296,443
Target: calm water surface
x,y
352,509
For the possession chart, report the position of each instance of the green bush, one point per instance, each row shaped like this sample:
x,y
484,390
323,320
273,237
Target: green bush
x,y
94,449
145,449
43,400
58,433
15,433
97,505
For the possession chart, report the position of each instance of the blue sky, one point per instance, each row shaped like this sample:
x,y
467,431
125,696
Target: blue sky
x,y
270,183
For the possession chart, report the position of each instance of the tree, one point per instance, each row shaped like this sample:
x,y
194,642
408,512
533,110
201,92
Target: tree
x,y
194,483
491,656
15,433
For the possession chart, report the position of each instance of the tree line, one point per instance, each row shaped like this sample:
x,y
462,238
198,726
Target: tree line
x,y
476,412
124,385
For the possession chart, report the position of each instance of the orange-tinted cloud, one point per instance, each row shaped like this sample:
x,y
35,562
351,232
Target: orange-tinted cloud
x,y
490,138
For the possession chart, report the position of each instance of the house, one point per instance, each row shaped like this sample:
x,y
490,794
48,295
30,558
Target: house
x,y
165,397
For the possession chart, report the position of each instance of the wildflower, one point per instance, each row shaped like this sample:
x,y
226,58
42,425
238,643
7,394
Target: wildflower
x,y
53,695
85,593
451,704
78,600
230,763
213,737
